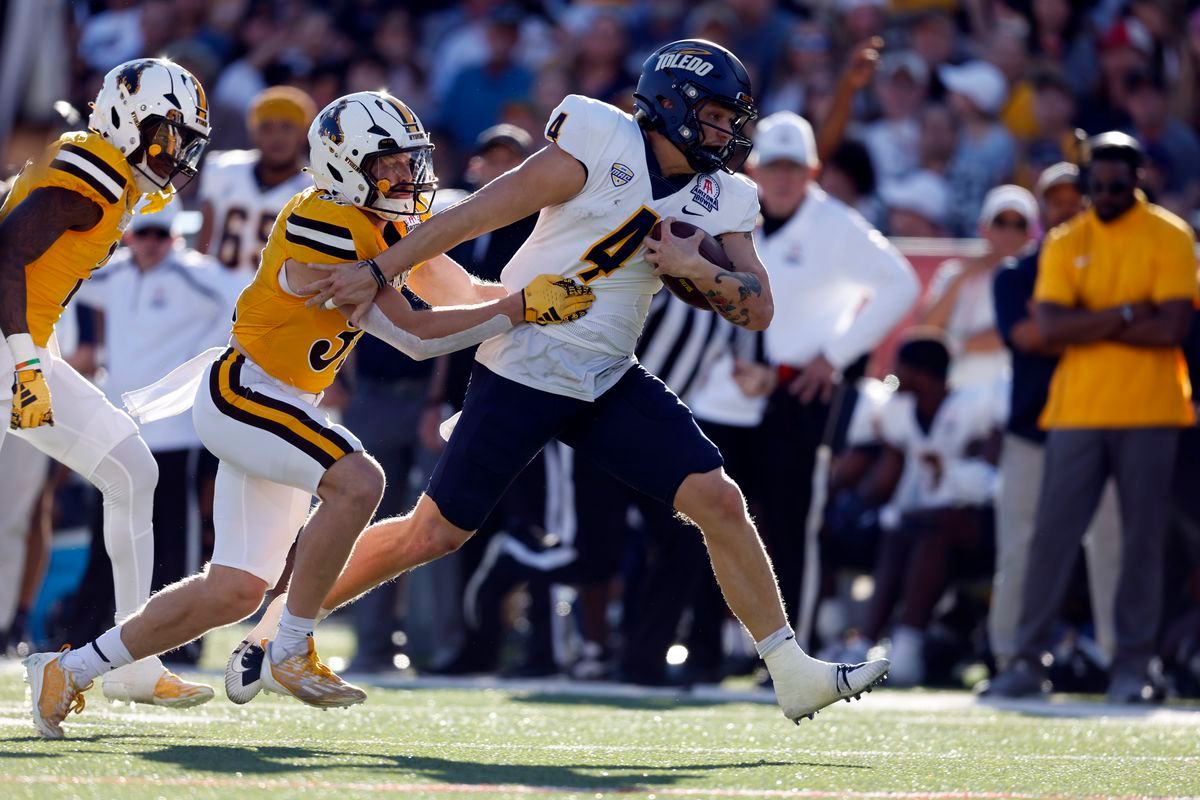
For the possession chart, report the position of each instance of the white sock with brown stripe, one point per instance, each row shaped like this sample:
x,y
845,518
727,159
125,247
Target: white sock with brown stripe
x,y
104,654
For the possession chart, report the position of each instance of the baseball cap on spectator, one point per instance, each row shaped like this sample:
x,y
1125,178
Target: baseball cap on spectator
x,y
1064,172
1009,197
784,135
505,135
1130,33
978,81
922,192
907,61
286,103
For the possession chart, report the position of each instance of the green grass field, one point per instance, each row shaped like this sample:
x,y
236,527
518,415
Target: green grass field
x,y
514,743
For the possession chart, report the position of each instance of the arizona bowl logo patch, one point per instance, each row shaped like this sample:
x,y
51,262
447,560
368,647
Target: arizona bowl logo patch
x,y
620,174
706,191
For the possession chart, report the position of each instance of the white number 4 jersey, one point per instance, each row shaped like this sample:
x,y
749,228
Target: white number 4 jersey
x,y
597,236
243,210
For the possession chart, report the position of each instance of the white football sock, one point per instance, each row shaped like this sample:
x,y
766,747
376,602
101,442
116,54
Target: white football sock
x,y
126,478
774,641
105,653
292,637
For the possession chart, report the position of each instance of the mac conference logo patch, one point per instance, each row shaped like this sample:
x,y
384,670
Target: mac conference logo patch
x,y
620,174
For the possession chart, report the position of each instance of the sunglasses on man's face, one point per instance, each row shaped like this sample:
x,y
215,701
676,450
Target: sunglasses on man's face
x,y
1010,223
1109,187
152,233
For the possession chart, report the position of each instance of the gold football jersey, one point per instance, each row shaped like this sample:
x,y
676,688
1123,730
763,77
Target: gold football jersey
x,y
84,163
305,347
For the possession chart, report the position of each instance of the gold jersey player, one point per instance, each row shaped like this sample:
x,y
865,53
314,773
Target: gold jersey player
x,y
62,221
256,408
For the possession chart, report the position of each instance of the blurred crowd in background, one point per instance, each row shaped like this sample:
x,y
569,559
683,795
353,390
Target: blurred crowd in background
x,y
968,95
948,120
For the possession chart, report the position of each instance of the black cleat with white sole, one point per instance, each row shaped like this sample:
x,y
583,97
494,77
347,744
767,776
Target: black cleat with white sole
x,y
243,672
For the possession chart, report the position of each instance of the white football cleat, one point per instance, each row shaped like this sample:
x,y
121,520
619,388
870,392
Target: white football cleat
x,y
54,692
148,681
804,685
309,680
243,672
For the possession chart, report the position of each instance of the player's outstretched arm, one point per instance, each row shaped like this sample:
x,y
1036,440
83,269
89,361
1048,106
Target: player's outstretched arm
x,y
549,299
742,296
548,177
442,281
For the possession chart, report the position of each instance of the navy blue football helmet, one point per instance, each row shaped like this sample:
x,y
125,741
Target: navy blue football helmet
x,y
686,74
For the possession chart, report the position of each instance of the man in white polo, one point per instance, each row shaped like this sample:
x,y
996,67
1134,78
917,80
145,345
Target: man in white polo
x,y
840,288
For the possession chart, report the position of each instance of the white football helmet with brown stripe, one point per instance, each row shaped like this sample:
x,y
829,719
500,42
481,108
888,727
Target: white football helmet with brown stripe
x,y
156,113
349,142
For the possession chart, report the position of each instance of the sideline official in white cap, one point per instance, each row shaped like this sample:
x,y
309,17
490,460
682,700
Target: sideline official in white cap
x,y
840,287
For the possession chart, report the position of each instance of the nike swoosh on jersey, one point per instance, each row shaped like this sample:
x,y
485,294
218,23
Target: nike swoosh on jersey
x,y
693,213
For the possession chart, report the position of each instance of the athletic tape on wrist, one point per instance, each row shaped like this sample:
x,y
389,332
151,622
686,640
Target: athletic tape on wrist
x,y
23,351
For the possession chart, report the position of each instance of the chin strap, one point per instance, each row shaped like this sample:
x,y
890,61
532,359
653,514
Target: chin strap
x,y
157,201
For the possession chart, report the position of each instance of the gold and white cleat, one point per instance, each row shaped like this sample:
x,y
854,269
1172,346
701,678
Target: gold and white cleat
x,y
309,680
54,692
148,681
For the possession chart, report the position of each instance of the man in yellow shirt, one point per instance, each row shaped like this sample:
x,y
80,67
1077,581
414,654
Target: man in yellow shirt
x,y
1115,287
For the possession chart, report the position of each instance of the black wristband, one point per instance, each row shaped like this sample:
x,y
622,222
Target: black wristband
x,y
376,272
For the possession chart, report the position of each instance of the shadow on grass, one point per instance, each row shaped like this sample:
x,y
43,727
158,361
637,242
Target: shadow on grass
x,y
283,760
16,755
683,700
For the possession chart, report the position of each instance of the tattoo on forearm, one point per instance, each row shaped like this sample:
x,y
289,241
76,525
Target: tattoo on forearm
x,y
732,309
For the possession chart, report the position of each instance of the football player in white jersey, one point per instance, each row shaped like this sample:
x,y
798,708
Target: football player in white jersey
x,y
243,191
602,183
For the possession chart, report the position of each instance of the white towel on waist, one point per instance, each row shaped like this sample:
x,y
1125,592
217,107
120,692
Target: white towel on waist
x,y
172,394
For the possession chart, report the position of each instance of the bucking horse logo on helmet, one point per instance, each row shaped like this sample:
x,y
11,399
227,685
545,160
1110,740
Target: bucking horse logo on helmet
x,y
331,124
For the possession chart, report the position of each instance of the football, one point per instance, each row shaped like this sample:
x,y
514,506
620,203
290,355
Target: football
x,y
712,251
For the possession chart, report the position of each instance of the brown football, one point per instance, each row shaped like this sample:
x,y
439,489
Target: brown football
x,y
712,251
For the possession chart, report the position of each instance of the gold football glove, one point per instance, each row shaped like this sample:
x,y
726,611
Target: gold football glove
x,y
550,299
31,400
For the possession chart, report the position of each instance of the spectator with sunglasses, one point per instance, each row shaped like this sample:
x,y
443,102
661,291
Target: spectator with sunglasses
x,y
959,300
162,303
1115,288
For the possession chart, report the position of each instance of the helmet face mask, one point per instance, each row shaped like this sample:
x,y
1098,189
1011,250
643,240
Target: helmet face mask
x,y
352,143
730,155
678,81
171,150
402,186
